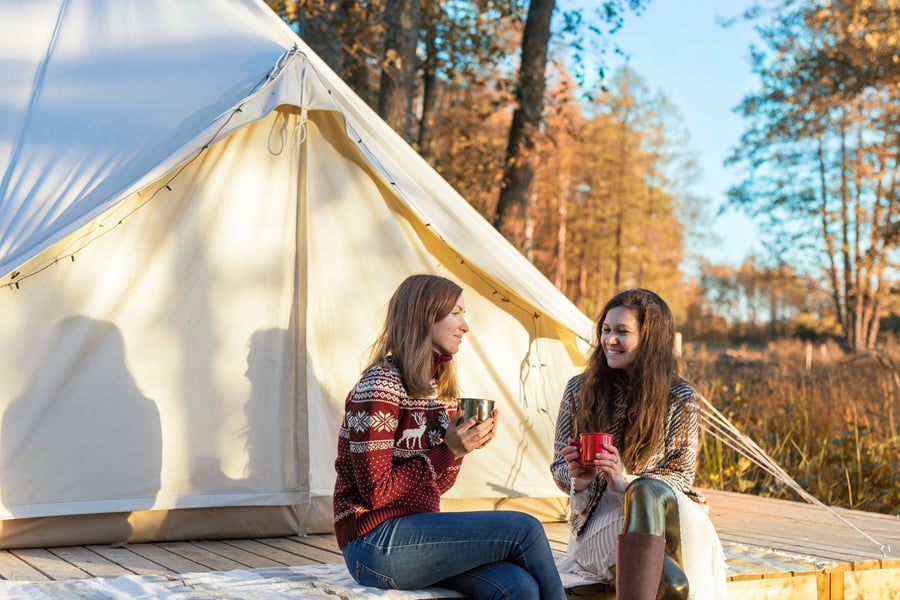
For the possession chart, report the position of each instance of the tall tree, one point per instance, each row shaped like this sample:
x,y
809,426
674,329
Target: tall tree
x,y
465,47
518,170
822,150
515,192
398,68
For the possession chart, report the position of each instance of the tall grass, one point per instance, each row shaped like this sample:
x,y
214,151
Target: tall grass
x,y
833,426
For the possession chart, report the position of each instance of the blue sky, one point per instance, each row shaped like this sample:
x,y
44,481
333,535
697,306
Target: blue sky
x,y
704,69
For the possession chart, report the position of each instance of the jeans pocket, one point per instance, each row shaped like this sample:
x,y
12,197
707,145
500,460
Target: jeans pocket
x,y
368,577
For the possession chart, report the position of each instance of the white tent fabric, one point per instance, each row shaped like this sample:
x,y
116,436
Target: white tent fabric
x,y
200,227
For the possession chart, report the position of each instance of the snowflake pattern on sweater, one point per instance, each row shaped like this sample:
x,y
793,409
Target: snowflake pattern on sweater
x,y
391,459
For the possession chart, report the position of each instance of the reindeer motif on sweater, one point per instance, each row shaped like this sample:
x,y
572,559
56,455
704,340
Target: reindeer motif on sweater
x,y
413,435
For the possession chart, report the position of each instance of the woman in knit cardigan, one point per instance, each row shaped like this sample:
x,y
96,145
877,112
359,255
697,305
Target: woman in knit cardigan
x,y
634,516
399,450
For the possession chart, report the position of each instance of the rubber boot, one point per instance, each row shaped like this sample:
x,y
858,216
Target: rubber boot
x,y
639,565
674,581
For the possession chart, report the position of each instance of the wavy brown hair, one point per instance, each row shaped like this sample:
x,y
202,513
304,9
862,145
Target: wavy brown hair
x,y
646,389
405,340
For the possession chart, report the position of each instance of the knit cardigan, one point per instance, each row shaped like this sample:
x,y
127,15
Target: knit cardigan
x,y
391,456
674,461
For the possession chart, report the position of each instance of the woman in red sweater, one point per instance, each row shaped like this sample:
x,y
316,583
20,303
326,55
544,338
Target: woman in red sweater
x,y
398,451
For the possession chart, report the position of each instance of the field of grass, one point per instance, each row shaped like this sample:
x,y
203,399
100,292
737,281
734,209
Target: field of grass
x,y
829,419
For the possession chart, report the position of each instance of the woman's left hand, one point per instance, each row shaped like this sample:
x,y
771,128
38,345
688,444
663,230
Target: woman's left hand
x,y
491,431
466,436
611,466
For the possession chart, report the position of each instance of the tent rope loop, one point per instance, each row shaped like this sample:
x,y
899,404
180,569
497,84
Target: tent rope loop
x,y
281,63
300,127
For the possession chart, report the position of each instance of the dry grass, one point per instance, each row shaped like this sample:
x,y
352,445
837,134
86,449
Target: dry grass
x,y
833,427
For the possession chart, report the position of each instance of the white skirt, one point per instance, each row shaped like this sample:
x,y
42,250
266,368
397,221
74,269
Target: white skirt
x,y
593,553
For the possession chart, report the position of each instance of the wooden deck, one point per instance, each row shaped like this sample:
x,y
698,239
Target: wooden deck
x,y
775,549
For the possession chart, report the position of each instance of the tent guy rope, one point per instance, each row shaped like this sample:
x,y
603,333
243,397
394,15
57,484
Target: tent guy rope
x,y
718,425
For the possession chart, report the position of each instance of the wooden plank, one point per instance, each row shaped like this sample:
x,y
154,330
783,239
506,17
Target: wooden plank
x,y
793,509
834,540
197,554
90,562
782,588
171,561
12,568
725,504
49,564
325,542
795,525
299,549
320,544
821,553
124,557
826,548
864,584
285,558
792,528
250,560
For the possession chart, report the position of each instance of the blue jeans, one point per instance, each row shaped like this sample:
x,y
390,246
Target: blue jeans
x,y
483,554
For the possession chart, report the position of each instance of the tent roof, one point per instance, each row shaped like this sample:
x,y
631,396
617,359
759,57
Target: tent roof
x,y
93,114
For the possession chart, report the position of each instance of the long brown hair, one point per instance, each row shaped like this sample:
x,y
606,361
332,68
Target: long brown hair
x,y
646,389
405,340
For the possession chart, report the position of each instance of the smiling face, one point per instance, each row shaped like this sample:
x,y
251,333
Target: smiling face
x,y
447,334
620,338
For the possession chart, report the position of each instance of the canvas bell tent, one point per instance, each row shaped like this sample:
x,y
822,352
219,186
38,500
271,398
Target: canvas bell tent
x,y
200,228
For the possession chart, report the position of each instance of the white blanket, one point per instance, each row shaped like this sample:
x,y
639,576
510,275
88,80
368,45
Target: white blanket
x,y
325,581
318,582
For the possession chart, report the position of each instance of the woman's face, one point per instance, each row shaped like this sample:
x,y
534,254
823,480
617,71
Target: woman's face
x,y
447,334
620,338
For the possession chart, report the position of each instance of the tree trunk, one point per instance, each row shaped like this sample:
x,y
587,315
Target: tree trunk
x,y
829,240
318,30
852,300
581,296
429,81
518,170
562,210
355,68
617,248
398,69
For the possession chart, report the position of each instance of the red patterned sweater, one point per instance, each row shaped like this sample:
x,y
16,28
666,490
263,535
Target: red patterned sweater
x,y
391,457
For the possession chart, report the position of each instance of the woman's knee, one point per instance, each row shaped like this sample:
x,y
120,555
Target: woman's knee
x,y
674,584
647,504
522,523
648,489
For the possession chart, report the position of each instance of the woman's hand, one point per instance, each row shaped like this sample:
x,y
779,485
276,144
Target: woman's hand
x,y
466,436
610,465
581,475
607,463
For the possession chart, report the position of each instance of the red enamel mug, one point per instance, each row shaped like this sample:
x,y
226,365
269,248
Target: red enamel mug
x,y
591,444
